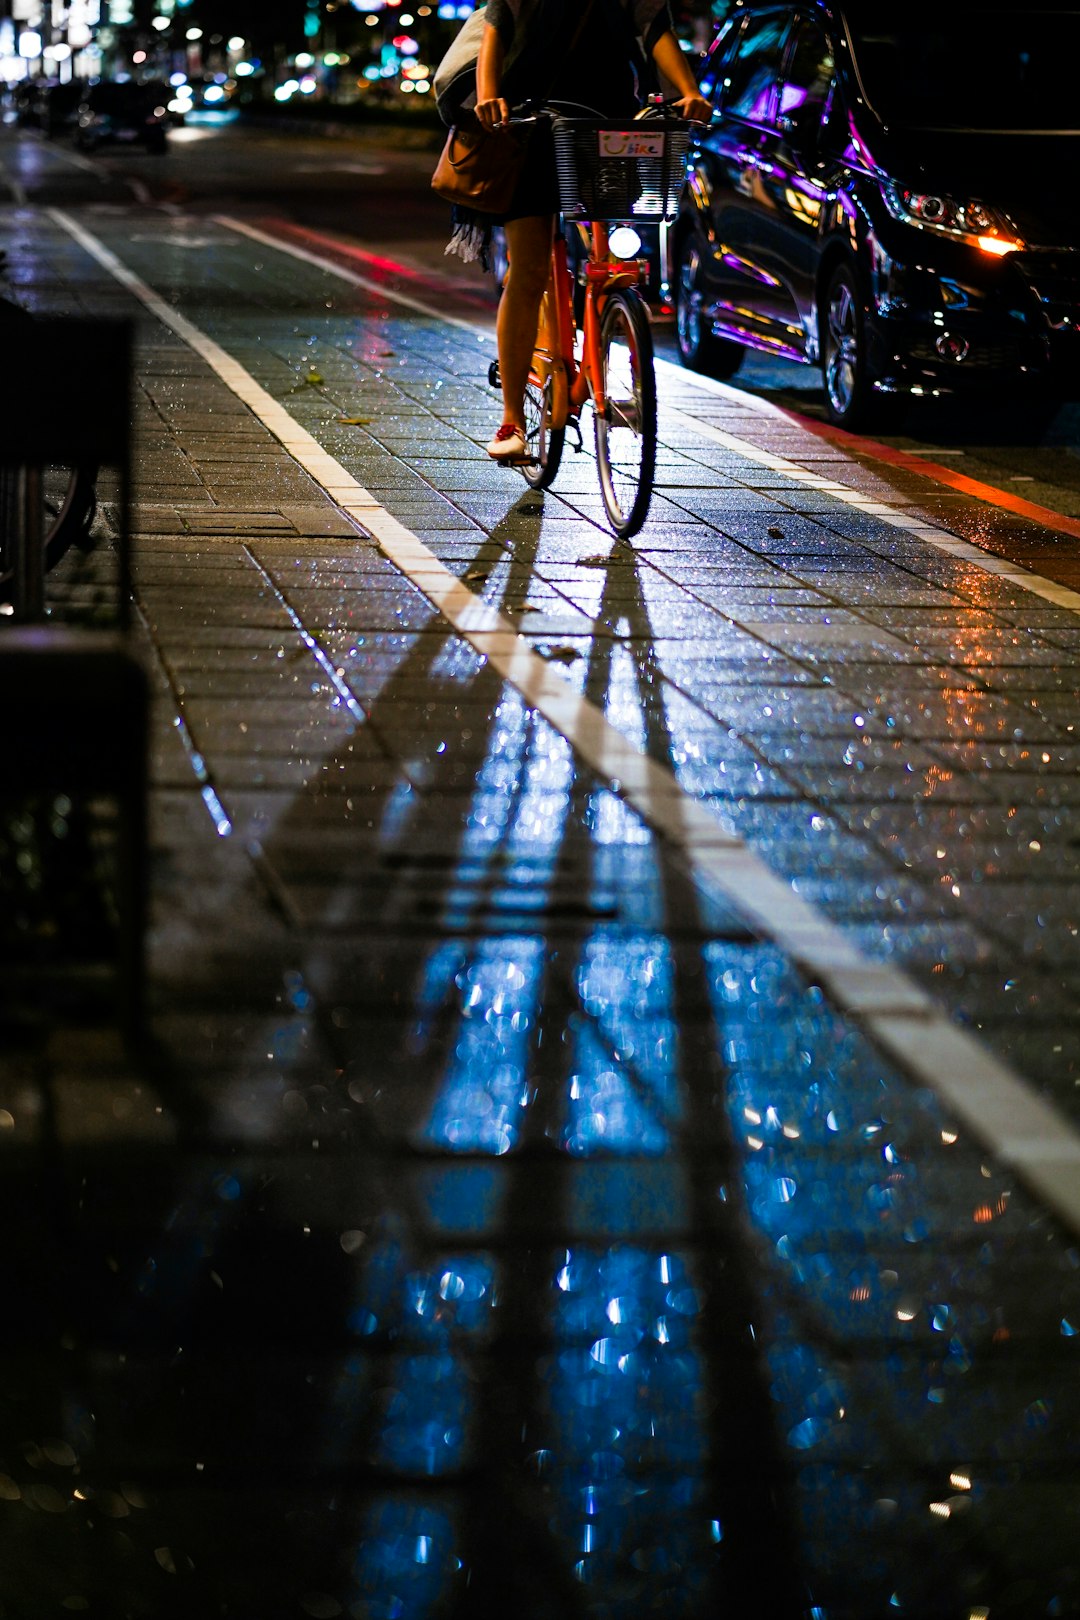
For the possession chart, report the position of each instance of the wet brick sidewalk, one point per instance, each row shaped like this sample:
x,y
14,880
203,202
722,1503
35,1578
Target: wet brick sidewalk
x,y
501,1222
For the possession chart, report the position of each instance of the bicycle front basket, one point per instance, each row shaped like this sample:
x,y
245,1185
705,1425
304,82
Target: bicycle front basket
x,y
620,169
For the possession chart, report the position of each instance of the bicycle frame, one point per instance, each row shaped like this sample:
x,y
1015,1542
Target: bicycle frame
x,y
576,381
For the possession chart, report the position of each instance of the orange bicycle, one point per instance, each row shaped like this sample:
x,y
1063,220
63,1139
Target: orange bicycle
x,y
611,172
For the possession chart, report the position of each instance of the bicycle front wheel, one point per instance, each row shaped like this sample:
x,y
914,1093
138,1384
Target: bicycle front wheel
x,y
544,441
626,429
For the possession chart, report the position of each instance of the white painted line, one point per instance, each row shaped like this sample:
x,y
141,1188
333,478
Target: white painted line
x,y
351,276
942,539
76,161
993,1102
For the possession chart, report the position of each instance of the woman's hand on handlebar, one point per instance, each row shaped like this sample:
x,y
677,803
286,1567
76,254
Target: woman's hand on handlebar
x,y
695,108
492,113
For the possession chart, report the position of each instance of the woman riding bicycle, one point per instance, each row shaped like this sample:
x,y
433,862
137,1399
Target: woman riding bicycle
x,y
579,52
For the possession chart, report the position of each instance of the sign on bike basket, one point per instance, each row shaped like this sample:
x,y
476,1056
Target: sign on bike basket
x,y
629,143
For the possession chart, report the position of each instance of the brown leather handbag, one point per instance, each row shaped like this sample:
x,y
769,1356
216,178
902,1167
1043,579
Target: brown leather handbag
x,y
478,169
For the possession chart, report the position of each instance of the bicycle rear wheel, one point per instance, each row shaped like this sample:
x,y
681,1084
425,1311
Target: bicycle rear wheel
x,y
545,442
626,432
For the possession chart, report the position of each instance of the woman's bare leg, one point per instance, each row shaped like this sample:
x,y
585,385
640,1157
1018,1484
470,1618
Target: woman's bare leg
x,y
528,246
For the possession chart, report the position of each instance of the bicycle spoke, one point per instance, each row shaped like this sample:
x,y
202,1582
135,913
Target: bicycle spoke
x,y
545,442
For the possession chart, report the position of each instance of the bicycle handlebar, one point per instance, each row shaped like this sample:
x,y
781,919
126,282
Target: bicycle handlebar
x,y
535,112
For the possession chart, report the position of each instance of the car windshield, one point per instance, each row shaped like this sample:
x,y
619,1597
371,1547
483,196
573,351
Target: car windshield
x,y
974,68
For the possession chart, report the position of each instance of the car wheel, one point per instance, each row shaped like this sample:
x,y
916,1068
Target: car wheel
x,y
850,399
699,347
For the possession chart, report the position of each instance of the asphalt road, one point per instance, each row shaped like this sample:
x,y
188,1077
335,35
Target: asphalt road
x,y
370,187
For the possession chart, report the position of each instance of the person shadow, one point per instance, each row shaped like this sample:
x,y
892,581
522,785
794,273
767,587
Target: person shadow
x,y
508,1134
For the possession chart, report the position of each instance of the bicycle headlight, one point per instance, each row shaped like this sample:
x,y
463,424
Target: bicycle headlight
x,y
624,242
964,220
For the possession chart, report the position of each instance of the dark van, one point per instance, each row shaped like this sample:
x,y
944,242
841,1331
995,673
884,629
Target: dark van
x,y
889,193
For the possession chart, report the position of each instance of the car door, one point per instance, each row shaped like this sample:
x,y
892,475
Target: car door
x,y
792,185
726,179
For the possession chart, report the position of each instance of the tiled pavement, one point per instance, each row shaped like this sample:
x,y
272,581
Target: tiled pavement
x,y
500,1223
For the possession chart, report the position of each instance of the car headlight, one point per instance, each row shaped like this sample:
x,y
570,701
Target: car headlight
x,y
963,220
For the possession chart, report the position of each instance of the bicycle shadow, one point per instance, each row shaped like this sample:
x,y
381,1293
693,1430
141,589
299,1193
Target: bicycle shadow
x,y
454,978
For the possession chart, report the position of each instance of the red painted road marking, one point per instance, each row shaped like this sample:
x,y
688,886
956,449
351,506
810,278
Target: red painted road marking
x,y
378,265
855,444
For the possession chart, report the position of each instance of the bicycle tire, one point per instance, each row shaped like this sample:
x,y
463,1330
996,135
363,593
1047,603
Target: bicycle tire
x,y
69,493
69,496
545,442
626,432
